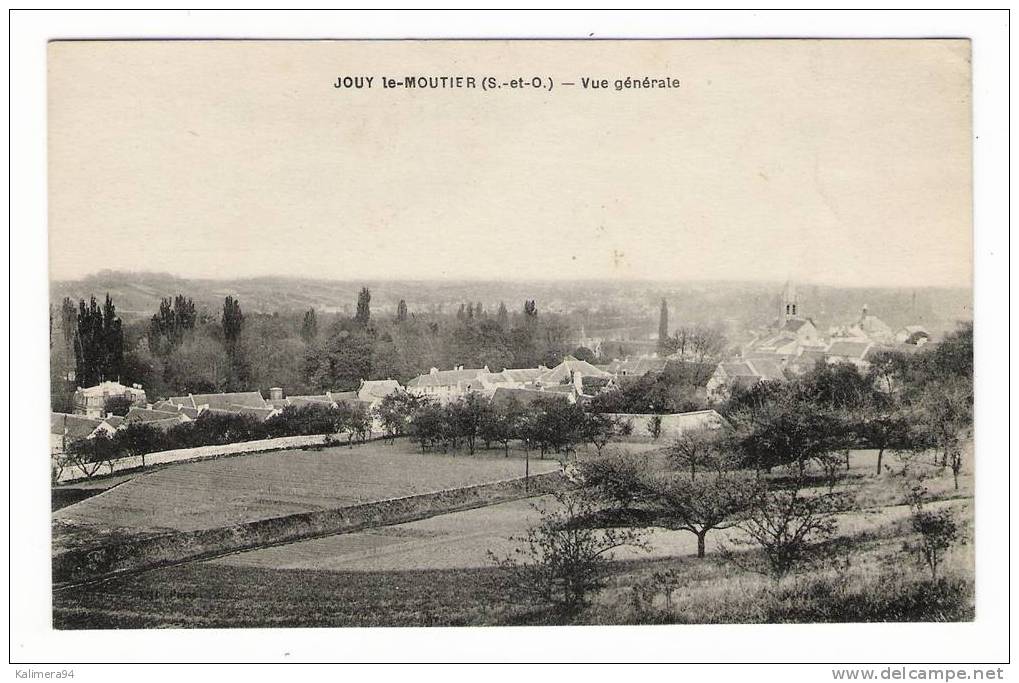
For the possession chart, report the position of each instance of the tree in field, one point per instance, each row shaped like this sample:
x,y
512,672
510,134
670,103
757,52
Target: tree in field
x,y
789,528
89,455
698,450
888,429
501,423
465,417
427,426
786,431
620,479
233,323
701,505
356,420
598,429
139,439
309,326
401,311
663,329
562,562
554,425
937,528
946,413
363,315
502,316
395,412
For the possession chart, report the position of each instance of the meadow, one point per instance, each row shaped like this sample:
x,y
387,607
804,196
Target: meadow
x,y
214,493
437,571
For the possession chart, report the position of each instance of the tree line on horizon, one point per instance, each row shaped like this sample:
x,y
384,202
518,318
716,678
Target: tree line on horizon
x,y
182,349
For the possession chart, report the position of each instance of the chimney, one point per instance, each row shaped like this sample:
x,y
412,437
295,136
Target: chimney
x,y
276,393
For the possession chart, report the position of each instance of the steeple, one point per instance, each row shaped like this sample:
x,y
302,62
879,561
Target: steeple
x,y
789,303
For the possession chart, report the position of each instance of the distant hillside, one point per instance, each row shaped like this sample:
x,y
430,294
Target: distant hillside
x,y
738,304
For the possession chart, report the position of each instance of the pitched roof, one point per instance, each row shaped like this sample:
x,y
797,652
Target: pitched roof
x,y
737,369
754,370
767,369
111,388
164,425
568,366
636,367
524,397
377,388
72,426
147,415
846,348
524,374
302,401
250,399
261,414
445,378
794,324
114,420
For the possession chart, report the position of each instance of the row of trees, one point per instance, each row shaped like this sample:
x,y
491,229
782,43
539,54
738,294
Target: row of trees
x,y
212,429
548,424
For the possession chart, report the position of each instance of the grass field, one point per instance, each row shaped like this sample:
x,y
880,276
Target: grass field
x,y
437,571
883,584
227,491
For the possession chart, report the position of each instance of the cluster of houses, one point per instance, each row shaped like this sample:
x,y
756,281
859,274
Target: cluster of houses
x,y
564,381
795,345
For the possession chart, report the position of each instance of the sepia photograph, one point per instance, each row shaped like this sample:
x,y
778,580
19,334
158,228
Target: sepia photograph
x,y
510,333
350,337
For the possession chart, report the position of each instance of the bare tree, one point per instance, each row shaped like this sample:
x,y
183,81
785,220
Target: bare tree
x,y
698,450
562,561
789,528
702,505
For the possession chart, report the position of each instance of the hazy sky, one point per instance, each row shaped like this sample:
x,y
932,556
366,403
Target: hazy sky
x,y
841,162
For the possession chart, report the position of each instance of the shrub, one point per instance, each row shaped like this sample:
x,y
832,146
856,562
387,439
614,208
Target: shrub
x,y
564,562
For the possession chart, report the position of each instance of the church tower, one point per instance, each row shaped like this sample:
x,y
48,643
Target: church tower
x,y
789,303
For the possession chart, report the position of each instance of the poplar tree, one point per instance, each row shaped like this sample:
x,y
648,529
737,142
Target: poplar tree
x,y
363,315
309,328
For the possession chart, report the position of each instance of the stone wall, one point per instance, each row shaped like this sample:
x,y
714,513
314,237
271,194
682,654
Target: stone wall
x,y
82,564
74,473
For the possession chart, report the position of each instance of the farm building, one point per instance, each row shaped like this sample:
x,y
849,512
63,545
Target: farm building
x,y
744,374
228,401
65,428
91,401
373,391
446,385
